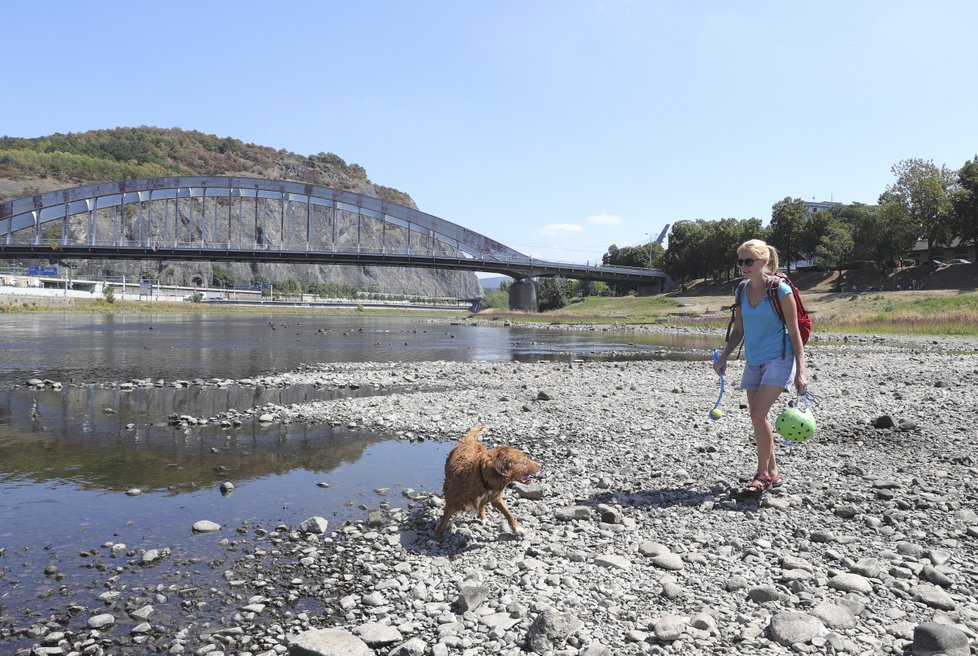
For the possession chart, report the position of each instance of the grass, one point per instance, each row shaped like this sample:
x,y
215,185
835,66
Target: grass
x,y
596,309
941,312
925,315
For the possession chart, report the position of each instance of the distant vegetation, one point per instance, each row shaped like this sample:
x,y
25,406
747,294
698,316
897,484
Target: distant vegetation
x,y
146,152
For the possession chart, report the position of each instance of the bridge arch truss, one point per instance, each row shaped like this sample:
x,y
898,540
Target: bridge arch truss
x,y
227,218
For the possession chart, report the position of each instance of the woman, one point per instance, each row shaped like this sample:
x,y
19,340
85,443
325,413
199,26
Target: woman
x,y
774,351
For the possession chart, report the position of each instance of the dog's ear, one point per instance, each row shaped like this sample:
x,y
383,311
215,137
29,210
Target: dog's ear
x,y
502,465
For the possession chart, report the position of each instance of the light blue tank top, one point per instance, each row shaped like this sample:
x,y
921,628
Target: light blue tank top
x,y
763,329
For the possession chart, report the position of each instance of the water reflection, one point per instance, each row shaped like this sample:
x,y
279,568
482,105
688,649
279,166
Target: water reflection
x,y
91,348
115,440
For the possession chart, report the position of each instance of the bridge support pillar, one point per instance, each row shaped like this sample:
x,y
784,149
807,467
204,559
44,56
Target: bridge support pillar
x,y
523,295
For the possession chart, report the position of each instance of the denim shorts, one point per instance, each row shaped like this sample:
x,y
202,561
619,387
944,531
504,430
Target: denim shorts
x,y
779,372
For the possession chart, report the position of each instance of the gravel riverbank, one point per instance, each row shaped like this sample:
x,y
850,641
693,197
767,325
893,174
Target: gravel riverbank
x,y
634,541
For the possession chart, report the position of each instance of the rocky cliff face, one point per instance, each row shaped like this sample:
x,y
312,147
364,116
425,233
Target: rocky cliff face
x,y
255,161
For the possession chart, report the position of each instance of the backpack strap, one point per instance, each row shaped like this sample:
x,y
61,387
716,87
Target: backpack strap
x,y
772,292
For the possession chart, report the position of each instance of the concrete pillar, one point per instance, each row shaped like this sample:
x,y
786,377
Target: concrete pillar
x,y
523,295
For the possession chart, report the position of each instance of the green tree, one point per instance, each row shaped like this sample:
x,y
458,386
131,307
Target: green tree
x,y
836,245
221,276
683,259
496,299
925,191
290,287
965,203
108,292
787,224
896,231
553,292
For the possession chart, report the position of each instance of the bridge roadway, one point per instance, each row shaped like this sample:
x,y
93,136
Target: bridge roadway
x,y
239,219
518,269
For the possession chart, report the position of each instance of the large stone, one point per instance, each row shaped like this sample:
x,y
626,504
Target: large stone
x,y
613,561
328,642
206,526
316,525
669,627
761,594
471,596
669,561
571,513
933,597
834,616
791,628
931,639
103,621
851,583
376,634
551,629
413,647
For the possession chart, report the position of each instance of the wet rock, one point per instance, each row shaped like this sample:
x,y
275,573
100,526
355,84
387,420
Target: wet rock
x,y
317,525
206,526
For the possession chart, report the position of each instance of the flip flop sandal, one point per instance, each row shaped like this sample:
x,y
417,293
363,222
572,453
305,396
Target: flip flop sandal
x,y
774,481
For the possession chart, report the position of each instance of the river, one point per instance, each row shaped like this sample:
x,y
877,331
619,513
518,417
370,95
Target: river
x,y
93,463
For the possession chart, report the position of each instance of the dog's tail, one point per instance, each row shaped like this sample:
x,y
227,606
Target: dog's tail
x,y
473,434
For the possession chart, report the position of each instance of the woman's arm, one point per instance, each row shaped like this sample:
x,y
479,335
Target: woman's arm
x,y
736,334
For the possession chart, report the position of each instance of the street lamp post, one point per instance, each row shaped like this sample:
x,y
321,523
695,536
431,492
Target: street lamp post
x,y
649,235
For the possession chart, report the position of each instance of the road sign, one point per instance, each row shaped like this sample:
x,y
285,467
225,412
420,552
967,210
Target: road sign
x,y
42,271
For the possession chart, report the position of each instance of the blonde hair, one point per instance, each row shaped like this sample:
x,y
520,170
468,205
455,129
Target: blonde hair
x,y
761,250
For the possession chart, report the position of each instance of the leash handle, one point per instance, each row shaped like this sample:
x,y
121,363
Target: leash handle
x,y
716,358
805,400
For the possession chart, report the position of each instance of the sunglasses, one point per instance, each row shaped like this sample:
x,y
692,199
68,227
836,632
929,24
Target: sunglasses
x,y
749,261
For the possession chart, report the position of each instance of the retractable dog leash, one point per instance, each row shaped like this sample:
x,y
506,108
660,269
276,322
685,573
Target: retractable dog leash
x,y
716,412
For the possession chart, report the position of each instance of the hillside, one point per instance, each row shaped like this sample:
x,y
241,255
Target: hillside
x,y
29,166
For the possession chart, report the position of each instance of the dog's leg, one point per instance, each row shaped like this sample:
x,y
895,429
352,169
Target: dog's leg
x,y
500,504
442,525
483,504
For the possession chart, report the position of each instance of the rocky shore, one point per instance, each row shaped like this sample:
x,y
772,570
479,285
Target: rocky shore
x,y
635,542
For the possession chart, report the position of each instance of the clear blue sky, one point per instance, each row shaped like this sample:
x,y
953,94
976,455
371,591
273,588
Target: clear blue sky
x,y
555,127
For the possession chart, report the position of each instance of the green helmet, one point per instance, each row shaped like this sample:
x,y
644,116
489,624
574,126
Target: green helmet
x,y
795,425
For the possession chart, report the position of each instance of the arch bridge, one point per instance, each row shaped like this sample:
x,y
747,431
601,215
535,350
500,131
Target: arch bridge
x,y
225,218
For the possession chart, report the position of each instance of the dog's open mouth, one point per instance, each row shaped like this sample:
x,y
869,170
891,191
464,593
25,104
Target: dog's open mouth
x,y
525,480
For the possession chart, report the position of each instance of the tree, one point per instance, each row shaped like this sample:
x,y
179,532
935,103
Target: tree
x,y
221,276
836,245
924,190
683,259
896,230
632,256
965,203
109,293
787,222
553,292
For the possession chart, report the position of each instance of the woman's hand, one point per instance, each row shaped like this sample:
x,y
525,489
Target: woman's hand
x,y
801,384
720,365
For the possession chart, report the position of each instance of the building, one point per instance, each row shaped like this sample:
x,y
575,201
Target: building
x,y
812,206
960,249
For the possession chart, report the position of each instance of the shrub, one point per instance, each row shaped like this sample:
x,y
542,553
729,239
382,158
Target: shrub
x,y
109,293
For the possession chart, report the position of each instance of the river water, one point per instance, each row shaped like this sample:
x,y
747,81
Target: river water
x,y
71,459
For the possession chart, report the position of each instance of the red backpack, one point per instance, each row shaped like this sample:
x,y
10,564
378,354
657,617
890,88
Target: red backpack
x,y
804,319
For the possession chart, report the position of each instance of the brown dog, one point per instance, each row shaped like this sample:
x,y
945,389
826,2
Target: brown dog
x,y
476,477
